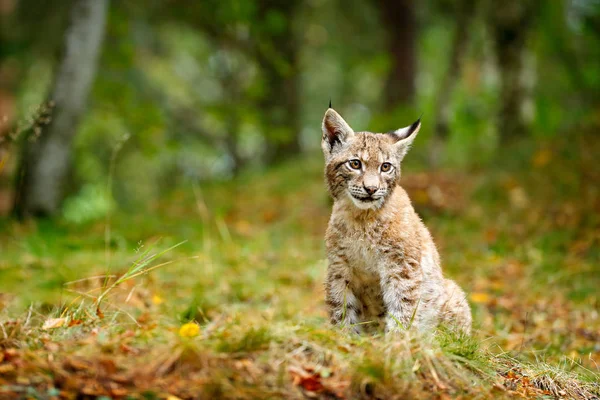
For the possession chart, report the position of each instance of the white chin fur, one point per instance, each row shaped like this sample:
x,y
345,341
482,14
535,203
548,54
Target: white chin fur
x,y
371,205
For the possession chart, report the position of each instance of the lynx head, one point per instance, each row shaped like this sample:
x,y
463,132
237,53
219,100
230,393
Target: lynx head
x,y
363,166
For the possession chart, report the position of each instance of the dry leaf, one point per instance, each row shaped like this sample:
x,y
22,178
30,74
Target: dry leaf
x,y
518,197
6,368
52,323
541,158
479,297
118,392
77,365
308,380
243,228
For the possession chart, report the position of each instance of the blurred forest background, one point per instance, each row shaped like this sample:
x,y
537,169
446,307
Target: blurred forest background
x,y
128,127
196,91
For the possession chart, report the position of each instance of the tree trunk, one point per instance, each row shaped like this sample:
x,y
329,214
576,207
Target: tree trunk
x,y
282,117
399,19
278,58
510,24
463,15
46,160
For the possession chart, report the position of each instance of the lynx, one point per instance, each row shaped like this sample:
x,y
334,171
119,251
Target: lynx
x,y
384,269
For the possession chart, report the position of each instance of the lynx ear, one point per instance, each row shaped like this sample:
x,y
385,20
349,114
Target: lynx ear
x,y
404,137
335,131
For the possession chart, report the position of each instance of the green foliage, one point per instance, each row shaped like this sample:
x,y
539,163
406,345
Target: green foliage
x,y
189,85
246,341
91,203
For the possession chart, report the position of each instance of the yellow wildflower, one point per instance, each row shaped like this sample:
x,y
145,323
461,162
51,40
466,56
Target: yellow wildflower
x,y
190,329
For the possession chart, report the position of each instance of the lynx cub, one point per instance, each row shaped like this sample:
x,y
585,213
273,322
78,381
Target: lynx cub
x,y
383,265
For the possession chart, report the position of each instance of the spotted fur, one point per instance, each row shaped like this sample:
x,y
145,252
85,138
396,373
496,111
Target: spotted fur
x,y
384,269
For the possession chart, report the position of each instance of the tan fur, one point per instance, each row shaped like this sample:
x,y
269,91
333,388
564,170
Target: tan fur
x,y
384,269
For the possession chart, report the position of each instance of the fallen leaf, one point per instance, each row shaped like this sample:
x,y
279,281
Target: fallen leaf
x,y
10,354
118,392
479,297
416,367
6,368
75,322
541,158
518,197
269,216
308,380
156,299
127,349
243,228
108,365
76,365
52,347
52,323
21,380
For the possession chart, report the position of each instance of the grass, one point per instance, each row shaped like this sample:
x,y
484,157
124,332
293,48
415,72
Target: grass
x,y
521,238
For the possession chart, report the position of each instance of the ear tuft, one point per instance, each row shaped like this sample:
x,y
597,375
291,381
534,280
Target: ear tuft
x,y
404,137
335,130
330,102
407,131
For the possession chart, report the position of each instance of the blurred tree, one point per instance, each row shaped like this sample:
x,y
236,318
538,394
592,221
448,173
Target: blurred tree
x,y
29,30
277,54
572,32
264,32
46,159
7,72
401,25
462,12
510,25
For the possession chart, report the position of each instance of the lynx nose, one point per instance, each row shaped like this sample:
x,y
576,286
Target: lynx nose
x,y
371,189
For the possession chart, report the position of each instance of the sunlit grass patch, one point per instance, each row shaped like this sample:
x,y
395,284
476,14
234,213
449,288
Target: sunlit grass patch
x,y
244,340
413,363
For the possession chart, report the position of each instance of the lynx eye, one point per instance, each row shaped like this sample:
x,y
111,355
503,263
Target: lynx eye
x,y
354,164
386,167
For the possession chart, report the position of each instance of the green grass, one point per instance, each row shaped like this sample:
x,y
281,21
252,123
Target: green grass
x,y
521,239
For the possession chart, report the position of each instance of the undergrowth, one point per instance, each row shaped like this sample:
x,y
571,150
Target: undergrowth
x,y
237,310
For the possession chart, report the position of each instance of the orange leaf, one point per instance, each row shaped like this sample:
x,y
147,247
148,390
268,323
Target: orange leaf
x,y
309,381
479,297
541,158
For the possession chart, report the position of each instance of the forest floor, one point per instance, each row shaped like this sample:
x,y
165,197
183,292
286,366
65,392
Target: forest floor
x,y
521,237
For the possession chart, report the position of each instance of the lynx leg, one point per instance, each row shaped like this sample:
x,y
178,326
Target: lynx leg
x,y
343,305
401,290
455,311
